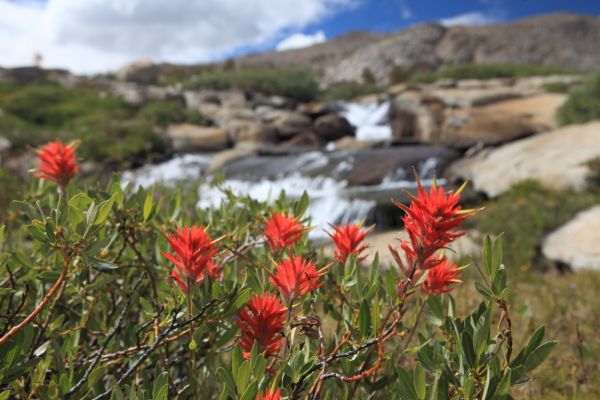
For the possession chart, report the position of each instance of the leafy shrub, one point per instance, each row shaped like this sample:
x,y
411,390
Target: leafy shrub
x,y
489,71
290,82
349,91
583,104
109,293
110,129
556,87
544,210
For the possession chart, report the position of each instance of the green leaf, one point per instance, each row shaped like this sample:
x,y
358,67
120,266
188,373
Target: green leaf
x,y
236,360
95,376
5,395
250,392
484,291
487,257
364,319
227,380
539,355
101,265
243,377
104,210
242,298
503,388
420,386
148,202
406,386
160,389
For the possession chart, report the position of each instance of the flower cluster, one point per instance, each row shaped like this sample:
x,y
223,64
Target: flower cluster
x,y
193,255
283,232
431,221
348,241
261,321
57,162
296,276
270,395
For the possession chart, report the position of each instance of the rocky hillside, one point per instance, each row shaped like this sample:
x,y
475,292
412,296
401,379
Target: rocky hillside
x,y
566,40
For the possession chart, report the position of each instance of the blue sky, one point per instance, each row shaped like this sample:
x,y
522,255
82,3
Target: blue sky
x,y
101,35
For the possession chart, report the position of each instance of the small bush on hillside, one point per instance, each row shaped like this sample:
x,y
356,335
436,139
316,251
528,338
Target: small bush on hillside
x,y
583,104
294,83
542,209
488,71
556,87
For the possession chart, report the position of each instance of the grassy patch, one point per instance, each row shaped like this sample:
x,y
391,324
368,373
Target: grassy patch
x,y
583,104
556,87
488,71
525,214
569,307
349,91
110,128
295,83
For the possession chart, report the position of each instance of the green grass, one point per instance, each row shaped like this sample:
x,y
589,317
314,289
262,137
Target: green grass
x,y
349,91
487,71
583,104
556,87
295,83
569,306
525,214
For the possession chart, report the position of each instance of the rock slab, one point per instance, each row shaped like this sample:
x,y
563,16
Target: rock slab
x,y
557,159
576,242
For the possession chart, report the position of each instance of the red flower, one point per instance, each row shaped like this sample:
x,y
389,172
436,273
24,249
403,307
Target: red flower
x,y
262,321
57,162
430,221
295,277
442,277
270,395
193,252
213,270
347,239
283,232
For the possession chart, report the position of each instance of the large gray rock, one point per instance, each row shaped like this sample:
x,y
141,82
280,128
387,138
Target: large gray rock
x,y
332,127
576,243
416,116
240,130
289,123
557,159
143,71
189,137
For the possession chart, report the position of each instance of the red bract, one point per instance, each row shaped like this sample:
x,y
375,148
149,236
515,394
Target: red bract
x,y
193,252
270,395
262,321
431,221
348,241
283,232
442,277
57,163
213,270
295,277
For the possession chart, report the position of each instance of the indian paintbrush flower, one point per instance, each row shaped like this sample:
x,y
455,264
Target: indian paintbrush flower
x,y
193,253
348,241
295,277
57,162
283,232
442,277
270,395
262,321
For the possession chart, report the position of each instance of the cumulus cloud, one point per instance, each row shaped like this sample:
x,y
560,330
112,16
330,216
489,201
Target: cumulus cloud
x,y
99,35
299,40
472,18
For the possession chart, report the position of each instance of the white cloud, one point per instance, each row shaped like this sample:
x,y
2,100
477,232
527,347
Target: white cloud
x,y
472,18
100,35
299,40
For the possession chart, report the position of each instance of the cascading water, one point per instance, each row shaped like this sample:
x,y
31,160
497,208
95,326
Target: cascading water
x,y
370,120
321,174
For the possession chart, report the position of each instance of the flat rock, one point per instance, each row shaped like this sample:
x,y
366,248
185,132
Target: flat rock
x,y
190,137
576,242
556,159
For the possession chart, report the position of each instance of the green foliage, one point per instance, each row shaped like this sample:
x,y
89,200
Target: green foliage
x,y
118,327
110,129
295,83
556,87
544,210
349,91
583,104
488,71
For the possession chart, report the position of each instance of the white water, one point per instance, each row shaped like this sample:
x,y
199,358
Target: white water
x,y
370,120
331,201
